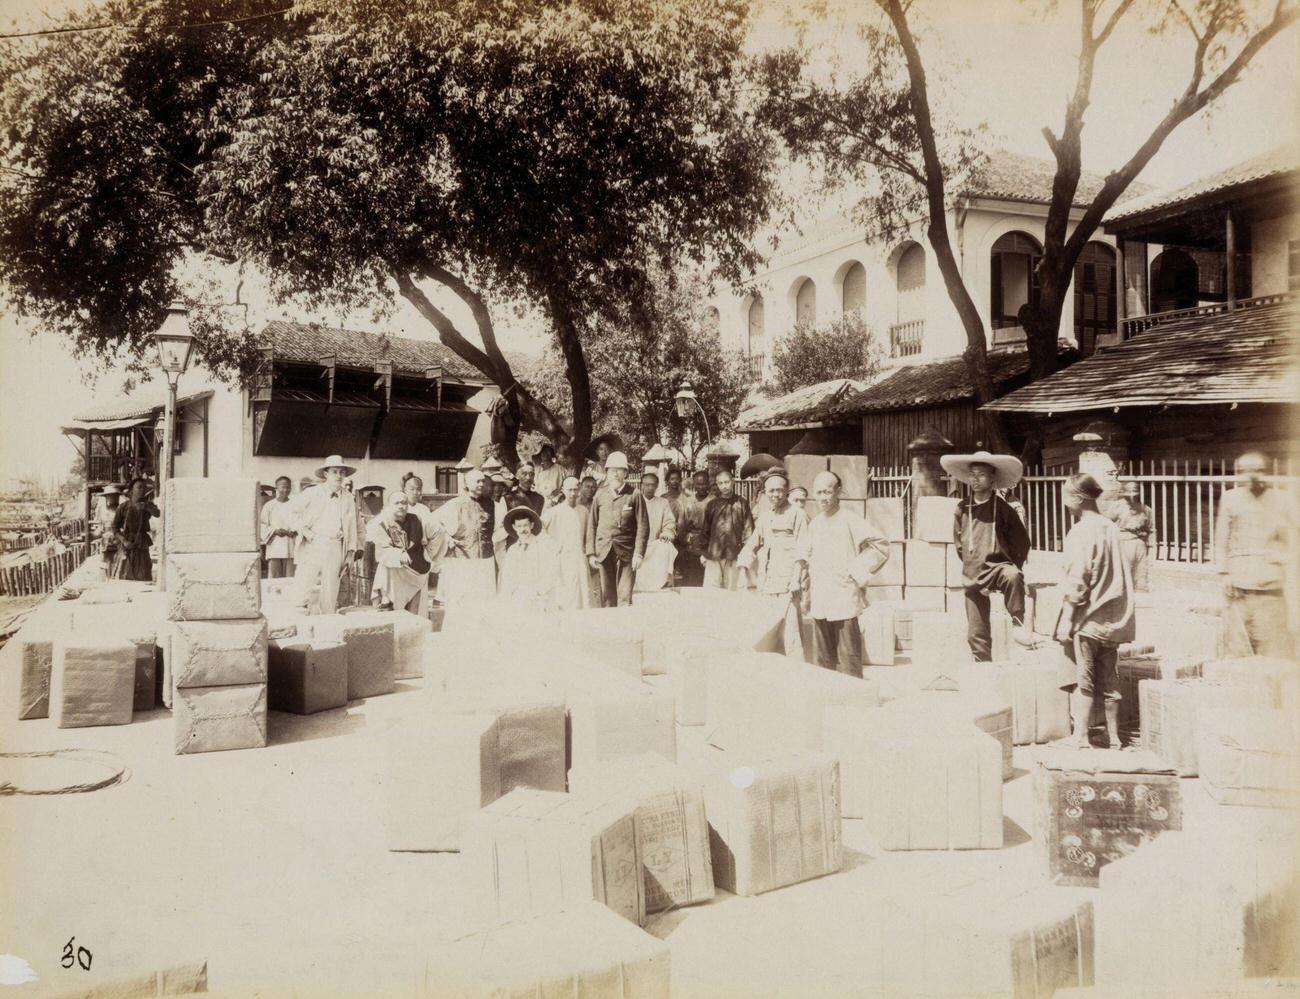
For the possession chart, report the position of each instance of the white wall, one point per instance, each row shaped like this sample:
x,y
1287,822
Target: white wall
x,y
230,444
826,260
1268,239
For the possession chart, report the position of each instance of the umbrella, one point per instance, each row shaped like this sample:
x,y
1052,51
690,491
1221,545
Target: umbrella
x,y
758,464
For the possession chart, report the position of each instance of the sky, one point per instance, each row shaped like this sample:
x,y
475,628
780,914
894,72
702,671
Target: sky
x,y
998,61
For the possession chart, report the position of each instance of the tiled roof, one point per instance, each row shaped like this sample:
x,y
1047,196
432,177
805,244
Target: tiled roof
x,y
138,405
1243,356
358,349
802,407
1015,177
1274,163
932,383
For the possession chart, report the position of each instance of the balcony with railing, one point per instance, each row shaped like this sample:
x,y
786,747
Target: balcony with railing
x,y
756,363
1139,324
905,338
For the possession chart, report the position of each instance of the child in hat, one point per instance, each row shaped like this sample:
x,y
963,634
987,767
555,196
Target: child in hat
x,y
992,543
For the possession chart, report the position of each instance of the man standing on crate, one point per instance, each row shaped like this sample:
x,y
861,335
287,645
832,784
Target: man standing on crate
x,y
836,554
1252,542
992,543
327,536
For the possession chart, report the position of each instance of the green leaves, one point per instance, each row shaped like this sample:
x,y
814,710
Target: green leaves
x,y
843,348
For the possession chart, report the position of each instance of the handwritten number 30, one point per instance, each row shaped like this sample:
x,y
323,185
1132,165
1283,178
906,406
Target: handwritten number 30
x,y
82,957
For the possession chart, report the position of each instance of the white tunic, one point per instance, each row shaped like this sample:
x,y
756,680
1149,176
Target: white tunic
x,y
563,525
277,516
838,567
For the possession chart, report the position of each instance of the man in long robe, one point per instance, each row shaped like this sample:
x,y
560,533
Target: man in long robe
x,y
565,524
401,568
464,525
131,531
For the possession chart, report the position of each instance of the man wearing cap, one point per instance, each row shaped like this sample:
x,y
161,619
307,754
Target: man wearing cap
x,y
464,527
777,529
728,522
992,543
522,494
1252,542
112,499
548,476
278,530
837,553
1096,612
565,524
1135,523
326,520
616,535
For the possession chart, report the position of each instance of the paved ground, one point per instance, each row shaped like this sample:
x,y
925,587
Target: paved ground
x,y
271,866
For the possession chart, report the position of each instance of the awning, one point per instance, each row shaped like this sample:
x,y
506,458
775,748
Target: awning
x,y
125,412
1243,356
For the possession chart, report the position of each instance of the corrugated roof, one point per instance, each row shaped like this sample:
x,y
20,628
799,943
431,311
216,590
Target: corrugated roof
x,y
1243,356
1274,163
932,383
800,408
139,405
309,342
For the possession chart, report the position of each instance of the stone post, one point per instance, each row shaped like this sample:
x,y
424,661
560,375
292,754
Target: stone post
x,y
927,474
1103,447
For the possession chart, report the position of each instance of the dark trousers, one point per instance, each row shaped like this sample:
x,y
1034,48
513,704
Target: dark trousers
x,y
839,645
616,579
1001,577
279,568
689,570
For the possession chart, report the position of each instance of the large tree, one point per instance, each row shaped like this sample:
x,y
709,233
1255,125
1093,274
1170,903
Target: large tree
x,y
882,129
542,151
640,359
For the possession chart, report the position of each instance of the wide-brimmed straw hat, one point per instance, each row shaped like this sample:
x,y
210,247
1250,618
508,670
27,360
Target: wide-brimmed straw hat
x,y
1007,470
514,513
110,491
335,461
614,441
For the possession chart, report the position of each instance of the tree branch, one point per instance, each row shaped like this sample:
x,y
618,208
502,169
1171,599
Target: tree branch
x,y
477,307
1115,17
1118,181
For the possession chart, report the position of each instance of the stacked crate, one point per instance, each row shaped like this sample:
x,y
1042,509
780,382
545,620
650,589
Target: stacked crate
x,y
217,643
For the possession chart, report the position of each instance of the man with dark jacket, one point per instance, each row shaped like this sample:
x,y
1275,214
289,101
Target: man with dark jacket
x,y
992,543
617,534
522,494
728,522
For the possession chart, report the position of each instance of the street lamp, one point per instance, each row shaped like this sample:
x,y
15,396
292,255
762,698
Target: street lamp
x,y
175,344
682,400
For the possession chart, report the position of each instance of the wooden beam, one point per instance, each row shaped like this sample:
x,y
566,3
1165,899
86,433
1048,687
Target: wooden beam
x,y
1230,241
330,363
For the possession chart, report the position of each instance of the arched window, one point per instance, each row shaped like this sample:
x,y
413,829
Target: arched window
x,y
1174,279
911,284
805,303
855,289
1094,295
712,319
1013,277
757,333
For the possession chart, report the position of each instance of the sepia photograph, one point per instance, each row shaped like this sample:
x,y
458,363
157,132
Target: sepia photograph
x,y
650,499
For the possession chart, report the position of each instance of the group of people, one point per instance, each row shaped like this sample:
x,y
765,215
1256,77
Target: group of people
x,y
1106,563
541,539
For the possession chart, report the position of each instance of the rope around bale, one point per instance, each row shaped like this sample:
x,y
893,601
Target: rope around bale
x,y
91,756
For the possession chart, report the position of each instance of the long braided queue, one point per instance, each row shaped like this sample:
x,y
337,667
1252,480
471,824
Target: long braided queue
x,y
91,757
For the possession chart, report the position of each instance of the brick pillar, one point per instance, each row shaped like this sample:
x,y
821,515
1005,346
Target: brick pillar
x,y
927,475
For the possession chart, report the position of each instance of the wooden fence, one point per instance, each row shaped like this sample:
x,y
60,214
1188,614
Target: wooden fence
x,y
1183,496
44,576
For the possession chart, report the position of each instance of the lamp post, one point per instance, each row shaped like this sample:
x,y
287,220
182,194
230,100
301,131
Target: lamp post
x,y
682,400
175,344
